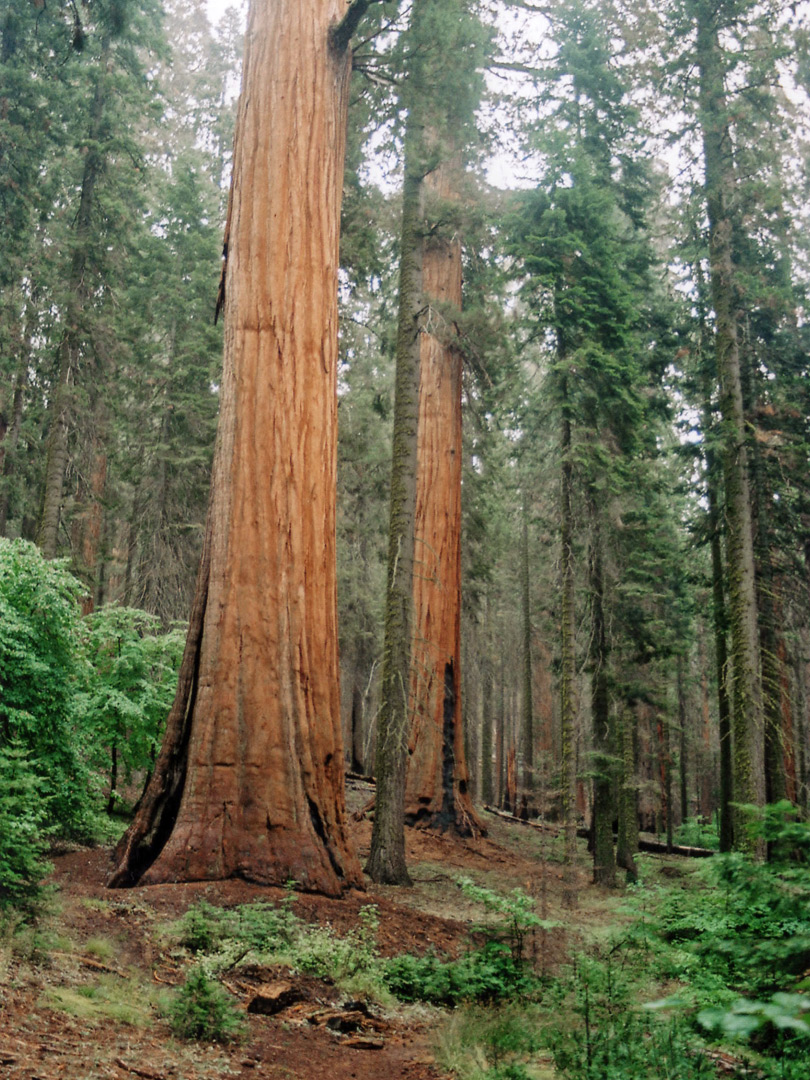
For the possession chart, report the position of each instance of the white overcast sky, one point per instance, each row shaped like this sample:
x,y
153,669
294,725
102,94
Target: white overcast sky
x,y
216,7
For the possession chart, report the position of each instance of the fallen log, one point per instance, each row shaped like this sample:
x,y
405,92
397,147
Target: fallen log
x,y
657,847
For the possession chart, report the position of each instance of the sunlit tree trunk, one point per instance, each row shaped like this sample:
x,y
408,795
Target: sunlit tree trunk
x,y
249,781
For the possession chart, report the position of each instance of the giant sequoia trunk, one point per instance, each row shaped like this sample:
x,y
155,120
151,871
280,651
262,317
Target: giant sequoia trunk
x,y
436,792
747,704
249,780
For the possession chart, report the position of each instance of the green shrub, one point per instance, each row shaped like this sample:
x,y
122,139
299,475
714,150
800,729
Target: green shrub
x,y
130,682
695,832
601,1034
41,667
23,811
749,922
259,931
204,1010
488,974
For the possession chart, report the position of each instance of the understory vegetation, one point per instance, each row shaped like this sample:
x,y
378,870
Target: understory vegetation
x,y
84,700
711,965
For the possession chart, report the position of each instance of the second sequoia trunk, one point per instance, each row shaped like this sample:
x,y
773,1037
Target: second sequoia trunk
x,y
436,789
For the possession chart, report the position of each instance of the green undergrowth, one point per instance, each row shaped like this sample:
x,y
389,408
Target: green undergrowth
x,y
223,939
717,961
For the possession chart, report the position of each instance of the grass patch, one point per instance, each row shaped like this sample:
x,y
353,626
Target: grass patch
x,y
101,948
126,1001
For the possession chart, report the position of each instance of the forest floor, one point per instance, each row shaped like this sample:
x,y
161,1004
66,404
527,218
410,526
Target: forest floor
x,y
80,991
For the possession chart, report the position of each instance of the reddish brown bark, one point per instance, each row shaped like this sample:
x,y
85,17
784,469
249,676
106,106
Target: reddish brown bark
x,y
436,793
249,781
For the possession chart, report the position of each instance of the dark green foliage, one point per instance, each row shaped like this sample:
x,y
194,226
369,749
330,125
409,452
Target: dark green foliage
x,y
204,1010
497,972
750,922
23,812
694,832
611,1042
489,974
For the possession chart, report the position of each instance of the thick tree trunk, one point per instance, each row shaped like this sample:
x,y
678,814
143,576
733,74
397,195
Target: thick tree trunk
x,y
436,793
748,716
249,781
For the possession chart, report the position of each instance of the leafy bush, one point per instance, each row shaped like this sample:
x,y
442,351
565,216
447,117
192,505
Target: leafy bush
x,y
203,1010
131,678
74,688
222,939
489,974
41,666
601,1034
515,918
696,832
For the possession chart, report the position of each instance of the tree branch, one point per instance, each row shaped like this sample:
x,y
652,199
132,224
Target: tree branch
x,y
341,33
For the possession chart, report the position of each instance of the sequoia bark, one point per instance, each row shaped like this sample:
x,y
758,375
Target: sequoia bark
x,y
249,781
436,793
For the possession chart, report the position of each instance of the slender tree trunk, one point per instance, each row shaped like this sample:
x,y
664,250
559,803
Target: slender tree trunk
x,y
720,622
748,717
683,755
604,860
249,781
627,841
386,863
568,662
487,695
10,436
527,697
665,768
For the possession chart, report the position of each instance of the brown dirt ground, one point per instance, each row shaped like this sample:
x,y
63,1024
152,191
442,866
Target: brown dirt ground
x,y
102,943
